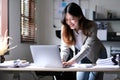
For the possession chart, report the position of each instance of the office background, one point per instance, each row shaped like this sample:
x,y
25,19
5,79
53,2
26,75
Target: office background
x,y
44,20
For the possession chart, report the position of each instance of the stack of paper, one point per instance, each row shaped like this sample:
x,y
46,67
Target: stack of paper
x,y
14,63
105,63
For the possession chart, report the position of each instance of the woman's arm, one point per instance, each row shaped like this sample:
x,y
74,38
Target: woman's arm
x,y
64,48
85,49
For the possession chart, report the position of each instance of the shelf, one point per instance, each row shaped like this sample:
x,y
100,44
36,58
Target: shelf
x,y
112,19
104,19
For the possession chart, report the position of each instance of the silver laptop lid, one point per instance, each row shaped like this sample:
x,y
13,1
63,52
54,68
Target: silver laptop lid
x,y
46,55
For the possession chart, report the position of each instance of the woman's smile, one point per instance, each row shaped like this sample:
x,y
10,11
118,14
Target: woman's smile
x,y
72,21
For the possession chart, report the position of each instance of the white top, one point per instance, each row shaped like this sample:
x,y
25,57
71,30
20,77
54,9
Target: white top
x,y
79,39
89,49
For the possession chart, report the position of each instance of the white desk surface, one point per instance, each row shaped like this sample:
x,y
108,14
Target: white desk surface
x,y
103,65
61,69
93,68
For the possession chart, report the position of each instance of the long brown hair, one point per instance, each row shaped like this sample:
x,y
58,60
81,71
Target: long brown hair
x,y
67,33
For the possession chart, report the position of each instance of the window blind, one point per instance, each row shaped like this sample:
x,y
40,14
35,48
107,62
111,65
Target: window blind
x,y
27,21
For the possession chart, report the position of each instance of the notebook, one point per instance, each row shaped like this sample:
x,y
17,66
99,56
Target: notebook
x,y
46,56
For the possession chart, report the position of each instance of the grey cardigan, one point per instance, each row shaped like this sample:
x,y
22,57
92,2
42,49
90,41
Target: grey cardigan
x,y
91,49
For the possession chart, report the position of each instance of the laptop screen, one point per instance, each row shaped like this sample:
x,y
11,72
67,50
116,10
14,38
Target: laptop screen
x,y
46,55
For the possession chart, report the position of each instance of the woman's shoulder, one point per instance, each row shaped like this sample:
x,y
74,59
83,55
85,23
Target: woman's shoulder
x,y
92,24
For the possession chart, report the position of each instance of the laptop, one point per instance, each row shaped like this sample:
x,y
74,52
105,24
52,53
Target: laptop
x,y
46,56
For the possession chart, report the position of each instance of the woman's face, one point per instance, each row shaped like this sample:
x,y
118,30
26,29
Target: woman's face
x,y
72,21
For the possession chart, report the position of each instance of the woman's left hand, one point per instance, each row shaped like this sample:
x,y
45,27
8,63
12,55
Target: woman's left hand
x,y
68,63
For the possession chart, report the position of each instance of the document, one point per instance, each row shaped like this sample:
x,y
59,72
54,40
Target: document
x,y
14,63
105,63
82,65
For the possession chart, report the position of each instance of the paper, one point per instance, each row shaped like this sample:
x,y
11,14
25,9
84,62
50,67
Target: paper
x,y
105,63
106,66
7,64
13,63
82,65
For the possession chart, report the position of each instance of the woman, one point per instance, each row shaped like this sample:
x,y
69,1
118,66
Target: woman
x,y
80,35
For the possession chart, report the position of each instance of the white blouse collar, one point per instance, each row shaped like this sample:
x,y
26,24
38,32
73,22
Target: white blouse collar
x,y
79,31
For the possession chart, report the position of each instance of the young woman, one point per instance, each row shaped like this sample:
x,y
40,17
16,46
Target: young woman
x,y
80,35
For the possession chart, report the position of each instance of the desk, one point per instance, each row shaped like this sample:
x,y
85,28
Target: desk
x,y
102,66
61,69
16,71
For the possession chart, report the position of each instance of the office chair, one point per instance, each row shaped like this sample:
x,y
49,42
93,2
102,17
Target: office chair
x,y
38,75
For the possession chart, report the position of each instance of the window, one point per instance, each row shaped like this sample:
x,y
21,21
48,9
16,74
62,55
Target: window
x,y
3,16
27,20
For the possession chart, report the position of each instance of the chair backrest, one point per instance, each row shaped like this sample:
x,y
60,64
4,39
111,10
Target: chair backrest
x,y
103,54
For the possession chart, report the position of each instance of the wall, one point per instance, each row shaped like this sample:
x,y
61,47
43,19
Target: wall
x,y
22,51
44,21
45,32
